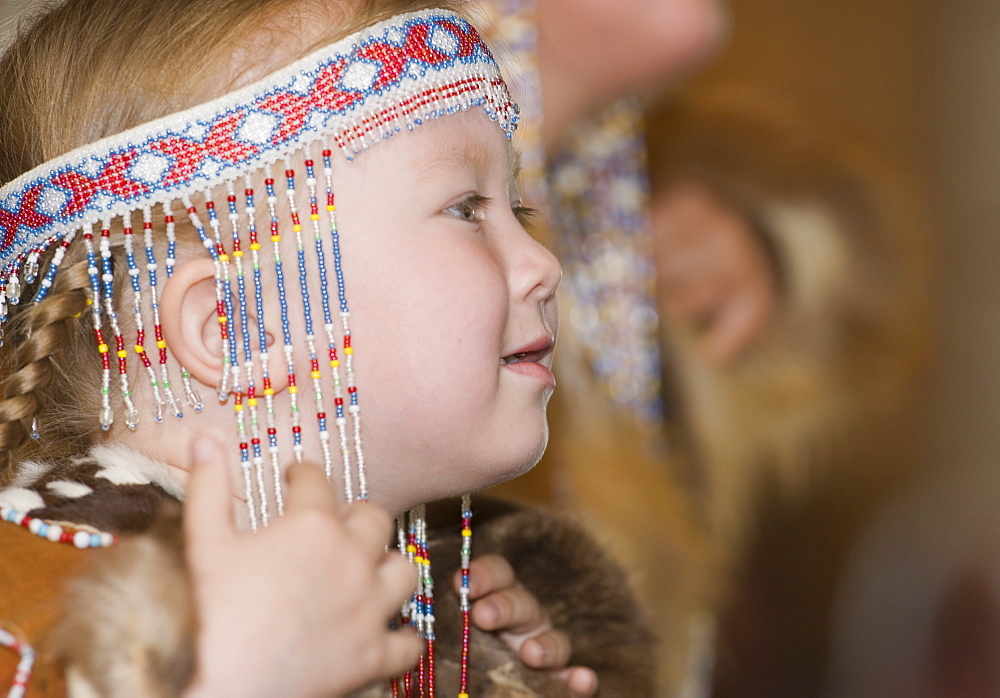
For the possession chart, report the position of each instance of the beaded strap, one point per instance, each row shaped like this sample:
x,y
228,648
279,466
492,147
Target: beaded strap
x,y
23,673
79,536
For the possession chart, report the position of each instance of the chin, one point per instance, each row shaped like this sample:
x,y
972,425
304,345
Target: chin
x,y
528,458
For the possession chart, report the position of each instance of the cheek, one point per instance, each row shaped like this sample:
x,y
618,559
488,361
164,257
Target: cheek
x,y
429,323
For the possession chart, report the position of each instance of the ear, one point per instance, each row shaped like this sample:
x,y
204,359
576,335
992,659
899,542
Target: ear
x,y
190,321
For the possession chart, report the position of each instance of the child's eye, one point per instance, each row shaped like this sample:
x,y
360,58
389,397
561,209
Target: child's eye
x,y
469,209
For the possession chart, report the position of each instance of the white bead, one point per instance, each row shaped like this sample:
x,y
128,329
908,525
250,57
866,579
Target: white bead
x,y
107,540
35,525
55,530
81,539
18,518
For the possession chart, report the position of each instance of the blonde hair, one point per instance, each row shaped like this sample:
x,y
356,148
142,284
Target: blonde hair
x,y
87,69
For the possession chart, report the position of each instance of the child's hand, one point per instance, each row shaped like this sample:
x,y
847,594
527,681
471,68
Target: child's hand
x,y
501,604
302,607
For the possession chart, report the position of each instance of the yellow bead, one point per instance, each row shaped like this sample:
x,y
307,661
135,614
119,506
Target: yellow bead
x,y
103,348
463,695
252,402
293,389
223,258
466,532
331,208
254,245
275,238
296,228
315,374
314,216
348,350
269,391
238,408
161,344
139,348
237,253
335,363
223,318
411,548
122,354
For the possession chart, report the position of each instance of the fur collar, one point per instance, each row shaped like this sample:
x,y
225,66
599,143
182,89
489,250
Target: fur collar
x,y
111,488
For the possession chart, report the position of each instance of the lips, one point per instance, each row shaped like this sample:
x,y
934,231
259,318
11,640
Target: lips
x,y
531,353
529,361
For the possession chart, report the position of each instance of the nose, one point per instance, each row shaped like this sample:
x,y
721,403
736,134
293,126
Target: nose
x,y
535,272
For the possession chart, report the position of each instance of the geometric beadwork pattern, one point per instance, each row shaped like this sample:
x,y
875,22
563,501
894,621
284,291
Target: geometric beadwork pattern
x,y
356,92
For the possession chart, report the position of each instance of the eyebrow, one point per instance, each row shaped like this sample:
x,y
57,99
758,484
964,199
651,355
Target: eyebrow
x,y
482,159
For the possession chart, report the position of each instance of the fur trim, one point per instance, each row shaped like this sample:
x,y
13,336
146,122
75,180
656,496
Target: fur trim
x,y
111,488
123,466
132,624
21,499
69,490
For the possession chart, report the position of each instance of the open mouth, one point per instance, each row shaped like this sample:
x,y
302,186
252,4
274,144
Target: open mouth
x,y
533,353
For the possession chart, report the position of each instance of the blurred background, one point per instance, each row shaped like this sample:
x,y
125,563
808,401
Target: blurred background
x,y
911,574
827,521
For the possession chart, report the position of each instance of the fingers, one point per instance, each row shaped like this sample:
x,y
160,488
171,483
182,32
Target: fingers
x,y
208,510
581,681
368,523
308,488
514,610
550,649
399,579
487,574
403,649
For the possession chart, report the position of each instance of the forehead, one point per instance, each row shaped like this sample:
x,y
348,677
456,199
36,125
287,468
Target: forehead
x,y
466,140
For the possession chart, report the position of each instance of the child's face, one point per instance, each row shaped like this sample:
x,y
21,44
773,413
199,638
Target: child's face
x,y
444,284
